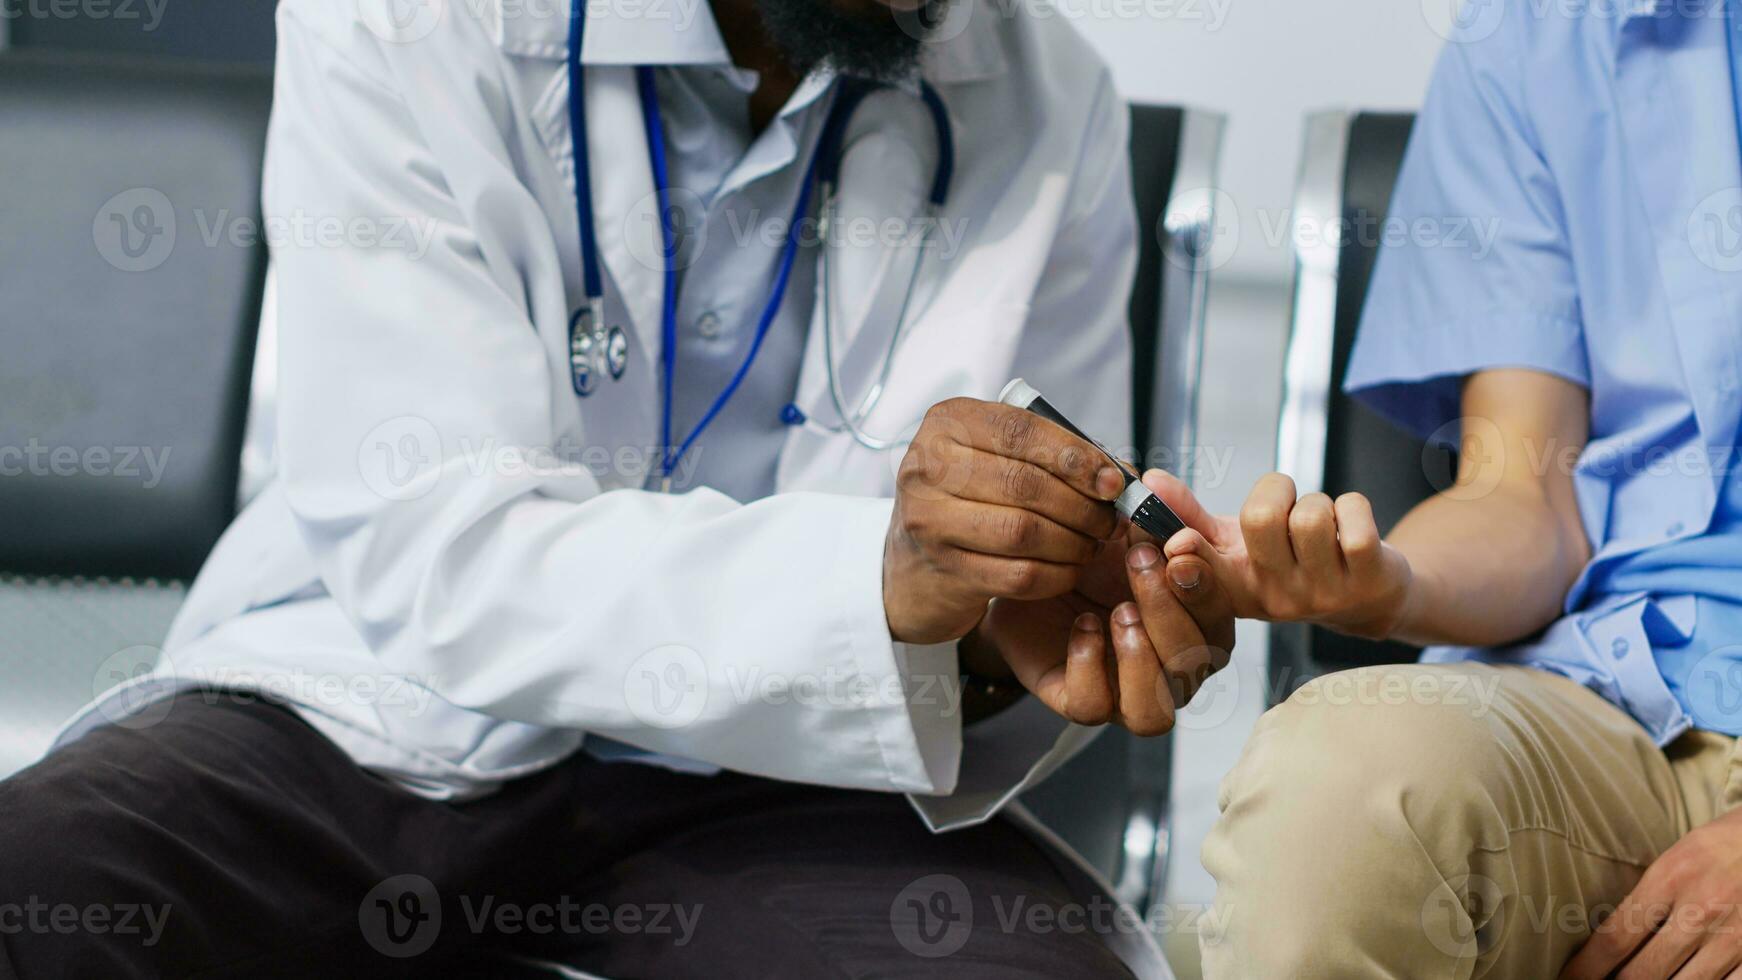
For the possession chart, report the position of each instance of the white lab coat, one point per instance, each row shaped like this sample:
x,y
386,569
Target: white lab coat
x,y
453,618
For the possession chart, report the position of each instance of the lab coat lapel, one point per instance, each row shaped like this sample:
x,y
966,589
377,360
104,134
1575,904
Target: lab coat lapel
x,y
885,171
625,205
1685,138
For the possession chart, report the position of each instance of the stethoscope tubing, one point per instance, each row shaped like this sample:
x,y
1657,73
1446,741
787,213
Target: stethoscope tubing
x,y
823,168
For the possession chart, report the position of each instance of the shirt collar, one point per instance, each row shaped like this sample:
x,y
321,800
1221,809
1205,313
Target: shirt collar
x,y
629,34
964,51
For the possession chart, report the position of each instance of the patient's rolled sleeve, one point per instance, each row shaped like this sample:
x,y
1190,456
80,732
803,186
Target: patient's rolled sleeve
x,y
1415,380
1476,271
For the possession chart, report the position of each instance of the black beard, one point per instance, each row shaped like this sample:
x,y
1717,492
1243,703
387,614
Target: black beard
x,y
879,43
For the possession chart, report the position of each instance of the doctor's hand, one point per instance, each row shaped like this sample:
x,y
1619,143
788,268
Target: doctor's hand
x,y
991,502
1283,559
1130,646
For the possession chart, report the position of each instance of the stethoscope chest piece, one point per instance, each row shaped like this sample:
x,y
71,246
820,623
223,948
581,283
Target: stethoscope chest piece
x,y
583,353
617,353
593,351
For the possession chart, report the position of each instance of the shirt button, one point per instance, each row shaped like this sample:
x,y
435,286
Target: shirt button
x,y
708,325
1619,647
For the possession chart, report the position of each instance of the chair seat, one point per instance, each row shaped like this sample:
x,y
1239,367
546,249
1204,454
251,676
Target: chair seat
x,y
64,641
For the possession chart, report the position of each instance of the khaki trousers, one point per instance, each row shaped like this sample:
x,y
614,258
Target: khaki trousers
x,y
1456,820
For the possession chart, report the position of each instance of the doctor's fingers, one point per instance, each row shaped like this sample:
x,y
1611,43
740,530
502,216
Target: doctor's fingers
x,y
1186,616
1079,689
1009,532
1015,433
994,479
1146,701
998,577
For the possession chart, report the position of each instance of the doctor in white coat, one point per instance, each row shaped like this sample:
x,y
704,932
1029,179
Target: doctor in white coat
x,y
557,599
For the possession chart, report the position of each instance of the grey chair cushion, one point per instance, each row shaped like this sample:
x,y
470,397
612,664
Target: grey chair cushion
x,y
62,642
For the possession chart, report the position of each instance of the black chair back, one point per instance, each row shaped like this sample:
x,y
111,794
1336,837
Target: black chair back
x,y
1111,802
129,296
1327,440
203,30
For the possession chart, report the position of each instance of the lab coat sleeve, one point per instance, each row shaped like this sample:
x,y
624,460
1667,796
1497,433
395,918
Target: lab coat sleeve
x,y
415,420
1076,347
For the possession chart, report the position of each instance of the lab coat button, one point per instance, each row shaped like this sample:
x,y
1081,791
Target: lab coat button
x,y
1674,529
708,326
1619,647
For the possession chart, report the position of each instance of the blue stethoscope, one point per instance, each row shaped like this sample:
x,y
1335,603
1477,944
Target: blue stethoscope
x,y
596,350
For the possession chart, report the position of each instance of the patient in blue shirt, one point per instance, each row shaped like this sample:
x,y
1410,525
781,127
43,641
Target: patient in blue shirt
x,y
1554,788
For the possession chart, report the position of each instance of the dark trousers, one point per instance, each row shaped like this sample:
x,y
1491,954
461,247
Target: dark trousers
x,y
231,839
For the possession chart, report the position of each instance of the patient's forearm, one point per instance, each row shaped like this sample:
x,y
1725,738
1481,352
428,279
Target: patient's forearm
x,y
1486,571
1493,556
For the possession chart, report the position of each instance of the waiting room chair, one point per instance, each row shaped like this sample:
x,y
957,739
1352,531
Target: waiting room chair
x,y
234,31
1174,157
1325,440
128,333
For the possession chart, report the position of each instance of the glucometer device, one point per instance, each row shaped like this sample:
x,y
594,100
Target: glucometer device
x,y
1136,503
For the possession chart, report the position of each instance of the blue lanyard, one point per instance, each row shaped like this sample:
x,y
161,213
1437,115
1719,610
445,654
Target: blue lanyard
x,y
1733,16
590,267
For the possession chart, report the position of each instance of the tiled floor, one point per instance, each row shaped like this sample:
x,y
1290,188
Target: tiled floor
x,y
1245,335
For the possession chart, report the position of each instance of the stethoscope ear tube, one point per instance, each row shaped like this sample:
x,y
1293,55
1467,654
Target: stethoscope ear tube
x,y
1136,503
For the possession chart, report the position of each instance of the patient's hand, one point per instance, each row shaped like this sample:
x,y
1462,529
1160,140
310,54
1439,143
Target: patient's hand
x,y
1680,919
1287,560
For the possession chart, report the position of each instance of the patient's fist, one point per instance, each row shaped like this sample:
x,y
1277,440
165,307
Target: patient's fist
x,y
1286,558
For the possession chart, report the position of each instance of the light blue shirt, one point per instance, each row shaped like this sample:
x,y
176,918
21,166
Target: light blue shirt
x,y
1571,203
732,196
736,195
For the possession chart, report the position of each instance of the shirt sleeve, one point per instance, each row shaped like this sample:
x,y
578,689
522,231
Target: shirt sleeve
x,y
1474,270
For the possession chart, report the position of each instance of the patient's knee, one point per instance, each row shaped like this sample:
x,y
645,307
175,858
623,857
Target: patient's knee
x,y
1375,745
